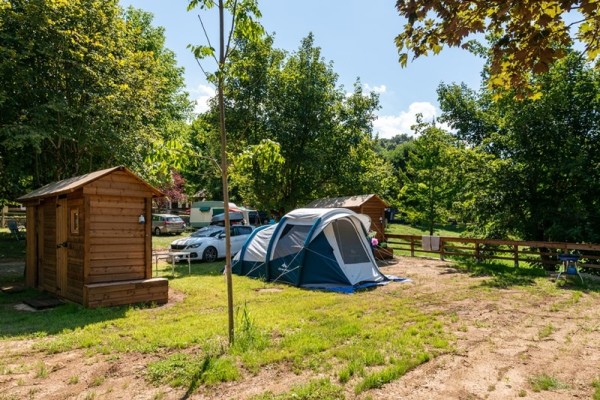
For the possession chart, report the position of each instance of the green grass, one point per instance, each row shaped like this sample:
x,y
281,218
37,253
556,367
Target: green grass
x,y
322,332
11,249
501,274
41,370
401,229
439,230
359,342
321,389
546,331
163,242
596,386
545,382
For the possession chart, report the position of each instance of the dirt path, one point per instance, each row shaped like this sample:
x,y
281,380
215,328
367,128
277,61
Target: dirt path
x,y
506,338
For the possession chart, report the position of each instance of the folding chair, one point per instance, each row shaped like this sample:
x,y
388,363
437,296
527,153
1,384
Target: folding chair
x,y
569,266
13,227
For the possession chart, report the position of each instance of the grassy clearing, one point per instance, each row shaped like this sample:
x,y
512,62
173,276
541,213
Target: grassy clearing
x,y
359,341
401,229
356,342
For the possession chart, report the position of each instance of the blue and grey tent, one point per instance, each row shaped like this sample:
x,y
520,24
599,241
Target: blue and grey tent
x,y
317,248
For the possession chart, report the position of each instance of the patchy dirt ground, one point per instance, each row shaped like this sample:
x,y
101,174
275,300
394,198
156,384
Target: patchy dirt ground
x,y
505,339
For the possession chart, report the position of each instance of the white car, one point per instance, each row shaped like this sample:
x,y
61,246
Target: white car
x,y
208,243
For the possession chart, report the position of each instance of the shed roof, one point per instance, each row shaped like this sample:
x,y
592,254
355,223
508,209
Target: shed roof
x,y
71,184
345,202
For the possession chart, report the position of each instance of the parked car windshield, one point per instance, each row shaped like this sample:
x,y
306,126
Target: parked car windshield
x,y
174,219
208,231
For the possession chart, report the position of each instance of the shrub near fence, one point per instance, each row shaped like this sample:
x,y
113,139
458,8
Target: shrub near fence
x,y
543,253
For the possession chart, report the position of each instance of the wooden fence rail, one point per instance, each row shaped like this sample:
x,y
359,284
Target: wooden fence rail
x,y
545,253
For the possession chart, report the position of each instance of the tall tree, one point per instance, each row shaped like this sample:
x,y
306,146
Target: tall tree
x,y
527,35
243,26
430,182
82,87
545,153
290,106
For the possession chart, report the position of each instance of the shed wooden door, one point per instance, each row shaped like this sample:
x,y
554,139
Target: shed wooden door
x,y
61,246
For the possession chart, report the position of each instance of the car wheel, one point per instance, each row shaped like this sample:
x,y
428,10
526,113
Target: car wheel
x,y
210,254
157,231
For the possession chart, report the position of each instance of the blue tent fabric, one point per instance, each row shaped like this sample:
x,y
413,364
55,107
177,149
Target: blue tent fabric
x,y
325,249
320,265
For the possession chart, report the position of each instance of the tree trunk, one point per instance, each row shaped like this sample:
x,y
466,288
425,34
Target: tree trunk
x,y
224,168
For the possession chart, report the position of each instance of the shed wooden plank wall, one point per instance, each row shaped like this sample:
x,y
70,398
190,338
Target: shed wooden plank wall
x,y
102,254
114,294
31,273
48,246
376,212
375,209
76,248
116,239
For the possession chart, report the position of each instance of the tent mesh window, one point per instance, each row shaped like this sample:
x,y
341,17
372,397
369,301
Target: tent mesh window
x,y
291,240
349,243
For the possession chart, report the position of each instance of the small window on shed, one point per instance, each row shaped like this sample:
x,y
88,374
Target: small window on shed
x,y
74,222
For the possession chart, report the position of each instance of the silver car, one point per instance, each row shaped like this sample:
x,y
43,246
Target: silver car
x,y
167,223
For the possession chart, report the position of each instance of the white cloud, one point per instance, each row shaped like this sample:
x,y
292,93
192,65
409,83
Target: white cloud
x,y
201,95
377,89
367,89
391,125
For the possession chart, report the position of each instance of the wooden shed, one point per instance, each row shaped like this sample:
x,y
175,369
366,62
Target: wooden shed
x,y
368,204
86,241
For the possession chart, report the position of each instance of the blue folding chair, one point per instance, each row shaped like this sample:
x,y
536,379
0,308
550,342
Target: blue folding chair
x,y
13,227
569,265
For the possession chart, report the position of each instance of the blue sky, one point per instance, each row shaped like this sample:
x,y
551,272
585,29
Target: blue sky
x,y
357,36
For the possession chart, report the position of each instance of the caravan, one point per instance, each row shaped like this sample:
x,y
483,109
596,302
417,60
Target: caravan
x,y
203,213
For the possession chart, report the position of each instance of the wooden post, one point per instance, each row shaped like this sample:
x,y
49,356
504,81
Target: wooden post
x,y
31,264
442,248
516,246
147,213
477,252
412,246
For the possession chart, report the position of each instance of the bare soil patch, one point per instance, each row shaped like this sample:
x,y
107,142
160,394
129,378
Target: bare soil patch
x,y
505,339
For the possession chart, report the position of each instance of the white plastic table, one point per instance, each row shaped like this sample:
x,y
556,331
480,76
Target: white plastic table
x,y
171,255
182,255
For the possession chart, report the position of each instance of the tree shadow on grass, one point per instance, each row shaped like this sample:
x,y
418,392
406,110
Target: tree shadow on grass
x,y
198,268
501,276
17,320
589,284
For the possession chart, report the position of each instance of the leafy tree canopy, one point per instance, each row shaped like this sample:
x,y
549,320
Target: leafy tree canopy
x,y
294,134
429,181
83,86
527,35
540,178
